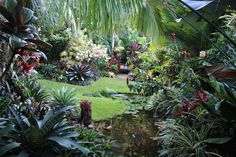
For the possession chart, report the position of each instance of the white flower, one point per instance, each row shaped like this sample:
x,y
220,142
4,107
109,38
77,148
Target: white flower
x,y
202,54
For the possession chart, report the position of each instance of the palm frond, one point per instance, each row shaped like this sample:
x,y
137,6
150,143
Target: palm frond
x,y
103,16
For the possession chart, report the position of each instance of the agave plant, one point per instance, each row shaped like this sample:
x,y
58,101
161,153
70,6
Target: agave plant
x,y
80,73
34,137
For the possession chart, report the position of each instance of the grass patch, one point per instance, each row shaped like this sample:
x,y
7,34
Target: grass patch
x,y
102,107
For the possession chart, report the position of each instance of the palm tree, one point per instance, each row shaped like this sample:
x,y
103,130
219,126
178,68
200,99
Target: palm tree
x,y
103,16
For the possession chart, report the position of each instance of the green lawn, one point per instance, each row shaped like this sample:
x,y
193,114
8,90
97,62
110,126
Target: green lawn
x,y
102,107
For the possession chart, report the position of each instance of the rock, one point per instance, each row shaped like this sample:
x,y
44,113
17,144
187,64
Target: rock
x,y
91,126
109,127
87,94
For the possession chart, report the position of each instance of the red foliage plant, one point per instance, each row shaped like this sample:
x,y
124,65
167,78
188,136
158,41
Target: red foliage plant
x,y
188,106
85,105
86,115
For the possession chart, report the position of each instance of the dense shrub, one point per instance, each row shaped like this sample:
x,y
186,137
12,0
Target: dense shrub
x,y
52,72
80,50
59,40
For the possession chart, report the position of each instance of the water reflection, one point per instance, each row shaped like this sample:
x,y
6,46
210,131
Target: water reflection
x,y
133,133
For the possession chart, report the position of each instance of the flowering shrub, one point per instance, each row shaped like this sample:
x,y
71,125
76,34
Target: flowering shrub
x,y
83,50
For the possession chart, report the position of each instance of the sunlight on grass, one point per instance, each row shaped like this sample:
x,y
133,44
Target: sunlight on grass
x,y
102,107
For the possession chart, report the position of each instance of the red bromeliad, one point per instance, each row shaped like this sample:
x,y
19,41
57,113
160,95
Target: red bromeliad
x,y
25,61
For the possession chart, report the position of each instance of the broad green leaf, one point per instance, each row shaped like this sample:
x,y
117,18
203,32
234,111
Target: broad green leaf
x,y
40,43
18,118
28,15
51,119
11,5
71,134
63,128
68,143
17,42
218,140
8,147
46,118
22,154
228,110
8,15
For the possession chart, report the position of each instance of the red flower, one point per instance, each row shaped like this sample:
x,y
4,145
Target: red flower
x,y
27,67
202,96
186,107
25,53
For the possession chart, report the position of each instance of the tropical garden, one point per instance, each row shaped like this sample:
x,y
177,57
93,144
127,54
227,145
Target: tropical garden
x,y
117,78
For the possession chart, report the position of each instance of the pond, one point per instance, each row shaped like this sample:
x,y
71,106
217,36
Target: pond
x,y
133,133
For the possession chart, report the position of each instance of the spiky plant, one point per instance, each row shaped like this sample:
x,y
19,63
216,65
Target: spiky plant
x,y
81,74
30,136
180,140
166,101
35,91
63,97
